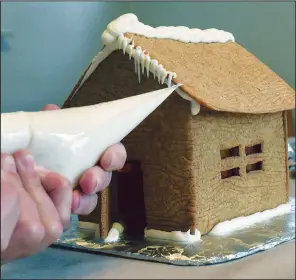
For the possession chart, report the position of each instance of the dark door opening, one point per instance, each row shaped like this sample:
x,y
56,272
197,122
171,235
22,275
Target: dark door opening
x,y
127,199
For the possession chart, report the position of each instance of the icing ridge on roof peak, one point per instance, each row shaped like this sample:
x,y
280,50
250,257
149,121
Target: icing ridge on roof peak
x,y
129,23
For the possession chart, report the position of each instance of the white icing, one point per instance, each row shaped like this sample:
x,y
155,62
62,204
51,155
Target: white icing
x,y
113,39
194,105
114,233
69,141
142,61
223,228
176,236
239,223
129,23
102,55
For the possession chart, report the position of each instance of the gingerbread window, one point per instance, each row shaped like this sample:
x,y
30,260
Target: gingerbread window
x,y
233,172
255,149
232,152
254,166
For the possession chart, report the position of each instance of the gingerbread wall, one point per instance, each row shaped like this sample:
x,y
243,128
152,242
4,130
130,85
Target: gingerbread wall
x,y
161,142
180,154
244,193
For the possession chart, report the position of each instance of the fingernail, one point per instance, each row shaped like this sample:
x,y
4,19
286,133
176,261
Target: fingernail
x,y
109,161
99,184
108,176
119,157
8,164
94,184
103,182
27,162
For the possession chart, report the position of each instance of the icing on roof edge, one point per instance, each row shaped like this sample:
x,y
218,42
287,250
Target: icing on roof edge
x,y
129,23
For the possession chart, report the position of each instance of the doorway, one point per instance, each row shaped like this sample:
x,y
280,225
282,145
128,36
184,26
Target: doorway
x,y
127,199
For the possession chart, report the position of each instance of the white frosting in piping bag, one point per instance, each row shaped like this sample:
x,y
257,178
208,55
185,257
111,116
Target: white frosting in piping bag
x,y
17,132
71,140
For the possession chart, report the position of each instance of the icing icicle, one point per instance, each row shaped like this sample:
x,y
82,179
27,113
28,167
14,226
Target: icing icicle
x,y
114,39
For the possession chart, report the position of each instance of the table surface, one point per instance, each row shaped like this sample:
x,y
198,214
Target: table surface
x,y
276,263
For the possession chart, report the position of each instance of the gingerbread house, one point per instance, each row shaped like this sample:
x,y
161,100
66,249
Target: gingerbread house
x,y
214,151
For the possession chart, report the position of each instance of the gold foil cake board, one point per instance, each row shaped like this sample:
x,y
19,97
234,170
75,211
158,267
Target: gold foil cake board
x,y
211,250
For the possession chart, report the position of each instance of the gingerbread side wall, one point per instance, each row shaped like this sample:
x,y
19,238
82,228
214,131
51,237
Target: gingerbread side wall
x,y
162,142
253,167
285,116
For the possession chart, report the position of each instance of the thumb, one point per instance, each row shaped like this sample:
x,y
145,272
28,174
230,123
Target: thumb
x,y
50,107
10,211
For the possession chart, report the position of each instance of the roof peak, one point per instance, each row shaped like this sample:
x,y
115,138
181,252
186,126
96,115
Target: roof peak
x,y
129,23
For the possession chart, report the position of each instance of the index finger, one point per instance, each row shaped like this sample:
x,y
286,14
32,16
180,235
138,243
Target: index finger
x,y
113,158
10,211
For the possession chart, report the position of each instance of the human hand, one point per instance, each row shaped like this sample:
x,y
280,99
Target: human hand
x,y
96,178
37,209
36,203
10,211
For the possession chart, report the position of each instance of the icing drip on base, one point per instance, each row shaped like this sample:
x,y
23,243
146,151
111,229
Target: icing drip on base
x,y
222,228
176,236
114,233
239,223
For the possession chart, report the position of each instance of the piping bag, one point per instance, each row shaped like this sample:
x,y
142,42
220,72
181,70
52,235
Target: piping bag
x,y
69,141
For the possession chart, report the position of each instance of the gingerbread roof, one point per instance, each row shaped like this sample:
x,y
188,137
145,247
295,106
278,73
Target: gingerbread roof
x,y
214,70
